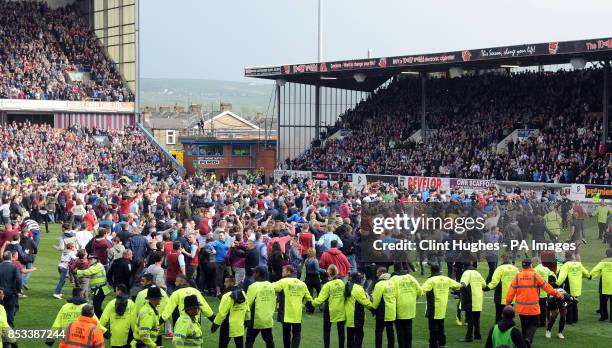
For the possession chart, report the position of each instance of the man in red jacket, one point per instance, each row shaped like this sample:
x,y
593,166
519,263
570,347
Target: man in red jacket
x,y
333,256
205,223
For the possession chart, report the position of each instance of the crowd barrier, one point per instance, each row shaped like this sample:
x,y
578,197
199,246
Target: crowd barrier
x,y
578,192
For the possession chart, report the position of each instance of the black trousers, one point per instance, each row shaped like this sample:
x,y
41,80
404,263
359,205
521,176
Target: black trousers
x,y
292,334
381,325
543,312
327,332
404,332
436,333
210,277
266,334
449,269
492,267
354,337
220,274
572,313
98,298
529,325
11,304
313,282
473,324
552,316
224,338
603,306
603,228
191,273
499,308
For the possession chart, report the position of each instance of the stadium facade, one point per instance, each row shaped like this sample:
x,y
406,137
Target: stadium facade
x,y
115,25
311,96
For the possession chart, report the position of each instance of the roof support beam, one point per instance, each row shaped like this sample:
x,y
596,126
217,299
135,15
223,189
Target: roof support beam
x,y
424,105
278,123
318,112
606,99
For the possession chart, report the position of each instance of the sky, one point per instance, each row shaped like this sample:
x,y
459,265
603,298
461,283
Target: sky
x,y
204,39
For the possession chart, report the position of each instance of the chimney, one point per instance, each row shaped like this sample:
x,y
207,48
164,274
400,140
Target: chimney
x,y
146,115
226,107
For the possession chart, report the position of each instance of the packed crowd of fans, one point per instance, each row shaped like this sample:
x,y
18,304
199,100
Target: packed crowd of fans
x,y
220,238
40,153
40,46
469,116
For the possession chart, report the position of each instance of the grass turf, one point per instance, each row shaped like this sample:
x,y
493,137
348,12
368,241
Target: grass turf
x,y
39,309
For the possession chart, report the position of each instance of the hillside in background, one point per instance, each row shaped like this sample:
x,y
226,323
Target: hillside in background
x,y
247,98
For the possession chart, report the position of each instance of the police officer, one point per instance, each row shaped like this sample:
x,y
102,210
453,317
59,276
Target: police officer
x,y
146,281
356,303
117,316
69,312
436,289
570,277
147,325
604,270
292,293
188,330
261,299
233,312
525,288
97,282
500,282
472,284
407,290
384,305
332,295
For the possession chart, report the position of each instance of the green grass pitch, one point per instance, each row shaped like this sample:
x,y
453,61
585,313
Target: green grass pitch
x,y
39,309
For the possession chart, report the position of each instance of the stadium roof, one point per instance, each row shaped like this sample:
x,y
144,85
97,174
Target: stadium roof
x,y
341,74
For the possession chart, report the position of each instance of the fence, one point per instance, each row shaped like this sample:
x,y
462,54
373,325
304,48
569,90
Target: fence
x,y
579,192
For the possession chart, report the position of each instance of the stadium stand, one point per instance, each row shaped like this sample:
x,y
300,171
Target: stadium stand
x,y
469,116
40,47
40,152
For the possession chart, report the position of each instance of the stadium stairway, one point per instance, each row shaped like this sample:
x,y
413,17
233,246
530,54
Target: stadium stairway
x,y
175,164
